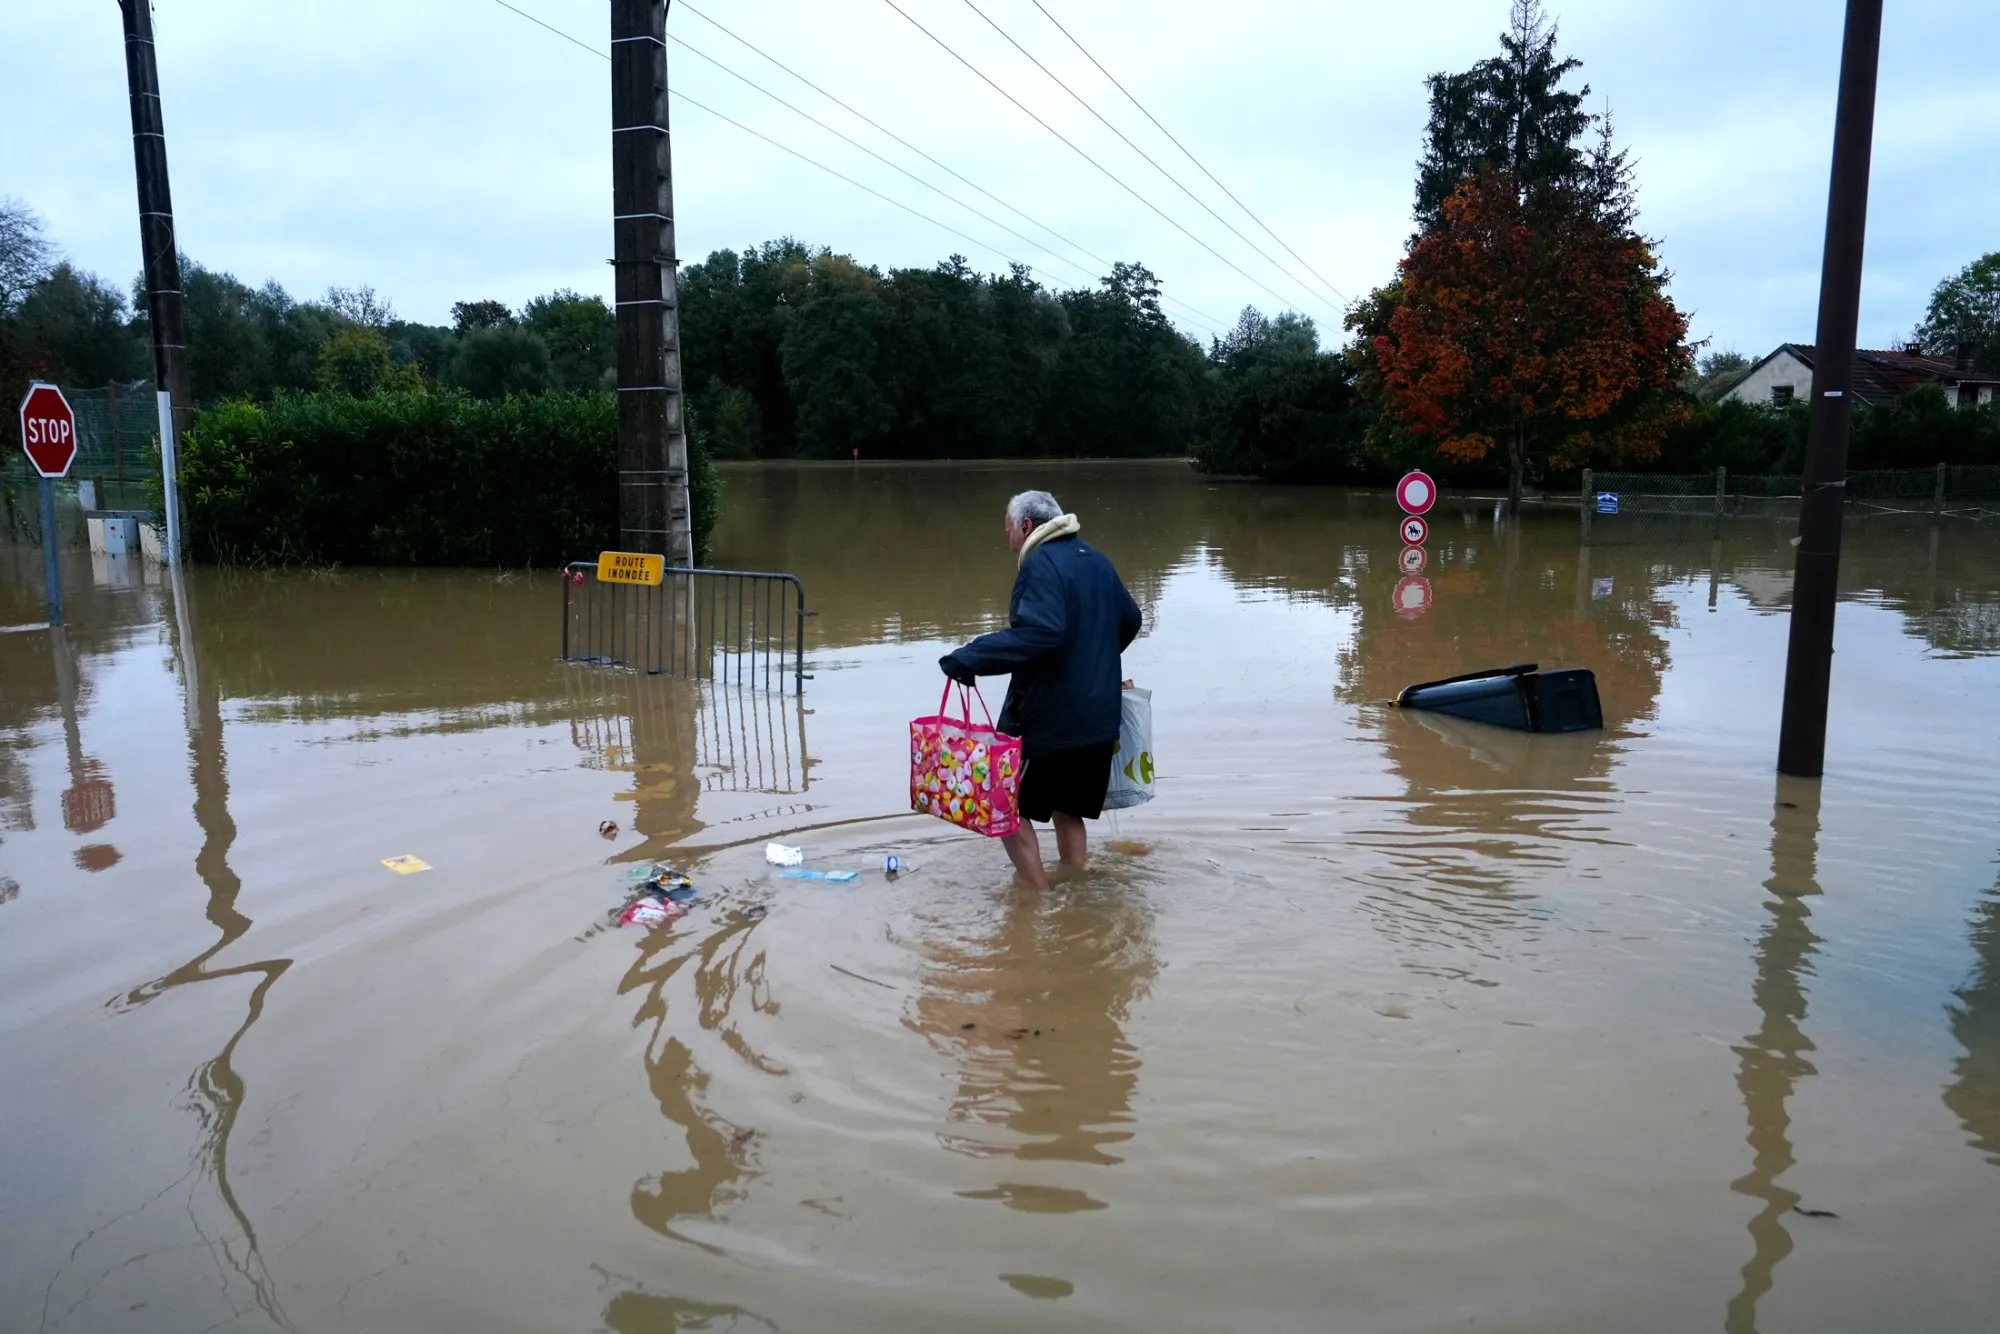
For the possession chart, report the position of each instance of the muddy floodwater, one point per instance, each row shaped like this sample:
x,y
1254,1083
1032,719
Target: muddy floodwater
x,y
1371,1021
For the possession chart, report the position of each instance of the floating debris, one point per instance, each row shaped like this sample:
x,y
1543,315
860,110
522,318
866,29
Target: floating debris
x,y
652,913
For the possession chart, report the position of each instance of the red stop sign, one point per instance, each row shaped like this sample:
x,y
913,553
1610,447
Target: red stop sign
x,y
48,430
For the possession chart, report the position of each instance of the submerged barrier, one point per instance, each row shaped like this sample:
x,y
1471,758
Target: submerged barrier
x,y
1648,507
742,628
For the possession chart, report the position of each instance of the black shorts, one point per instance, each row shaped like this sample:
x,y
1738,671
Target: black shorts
x,y
1072,782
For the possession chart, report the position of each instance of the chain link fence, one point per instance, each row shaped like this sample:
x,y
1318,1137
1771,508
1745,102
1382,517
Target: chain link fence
x,y
117,453
1630,508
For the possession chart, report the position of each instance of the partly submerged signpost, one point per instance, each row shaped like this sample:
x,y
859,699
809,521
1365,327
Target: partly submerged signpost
x,y
1416,493
48,437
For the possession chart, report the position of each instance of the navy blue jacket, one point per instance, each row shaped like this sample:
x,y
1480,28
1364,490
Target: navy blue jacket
x,y
1068,622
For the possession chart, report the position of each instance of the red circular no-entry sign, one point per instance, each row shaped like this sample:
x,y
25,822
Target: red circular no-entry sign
x,y
48,430
1413,596
1416,493
1413,560
1415,530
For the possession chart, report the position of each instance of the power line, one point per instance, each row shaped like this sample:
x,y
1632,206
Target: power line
x,y
894,166
1085,104
1184,149
886,130
865,118
557,31
814,162
1080,153
774,143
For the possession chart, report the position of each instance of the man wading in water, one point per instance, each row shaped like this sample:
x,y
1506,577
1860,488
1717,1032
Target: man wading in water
x,y
1069,620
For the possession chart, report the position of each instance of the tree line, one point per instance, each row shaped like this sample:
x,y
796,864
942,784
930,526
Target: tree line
x,y
797,352
1527,332
789,351
64,323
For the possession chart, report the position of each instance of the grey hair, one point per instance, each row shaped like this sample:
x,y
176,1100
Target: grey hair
x,y
1037,505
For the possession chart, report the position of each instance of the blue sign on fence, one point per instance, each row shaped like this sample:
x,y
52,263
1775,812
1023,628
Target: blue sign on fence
x,y
1607,502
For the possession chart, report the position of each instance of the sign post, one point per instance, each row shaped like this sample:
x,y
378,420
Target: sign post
x,y
170,477
48,437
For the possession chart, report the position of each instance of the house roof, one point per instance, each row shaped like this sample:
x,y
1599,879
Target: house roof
x,y
1882,376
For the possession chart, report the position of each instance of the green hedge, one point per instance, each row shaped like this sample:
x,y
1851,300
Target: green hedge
x,y
1277,437
418,478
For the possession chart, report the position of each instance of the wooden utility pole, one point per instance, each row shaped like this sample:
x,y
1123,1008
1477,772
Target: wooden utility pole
x,y
162,260
653,513
1809,661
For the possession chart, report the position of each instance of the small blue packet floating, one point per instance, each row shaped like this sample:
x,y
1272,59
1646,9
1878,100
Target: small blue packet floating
x,y
835,877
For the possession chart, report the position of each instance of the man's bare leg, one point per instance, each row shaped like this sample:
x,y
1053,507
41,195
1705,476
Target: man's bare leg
x,y
1072,840
1025,849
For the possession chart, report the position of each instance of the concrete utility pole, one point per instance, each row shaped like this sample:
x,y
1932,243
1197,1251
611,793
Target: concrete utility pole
x,y
653,511
1809,662
162,259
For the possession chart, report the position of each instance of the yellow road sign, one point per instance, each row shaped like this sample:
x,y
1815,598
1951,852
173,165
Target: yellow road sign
x,y
630,567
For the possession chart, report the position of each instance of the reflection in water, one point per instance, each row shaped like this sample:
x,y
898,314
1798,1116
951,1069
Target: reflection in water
x,y
647,1313
1974,1096
850,532
882,548
642,726
723,1153
751,741
1471,843
89,802
1540,605
1941,577
1772,1060
1471,836
1033,1010
215,1091
681,738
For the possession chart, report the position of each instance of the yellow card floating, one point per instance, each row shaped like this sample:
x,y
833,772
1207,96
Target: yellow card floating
x,y
406,865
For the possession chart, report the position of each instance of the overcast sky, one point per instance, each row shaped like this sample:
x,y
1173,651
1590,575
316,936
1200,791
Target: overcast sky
x,y
443,150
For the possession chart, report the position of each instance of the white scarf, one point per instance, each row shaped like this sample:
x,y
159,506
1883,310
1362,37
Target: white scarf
x,y
1063,525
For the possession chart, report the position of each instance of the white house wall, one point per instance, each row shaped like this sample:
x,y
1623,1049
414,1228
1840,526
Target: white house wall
x,y
1783,369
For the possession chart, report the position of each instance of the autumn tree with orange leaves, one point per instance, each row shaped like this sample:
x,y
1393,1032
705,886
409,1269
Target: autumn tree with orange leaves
x,y
1528,313
1534,324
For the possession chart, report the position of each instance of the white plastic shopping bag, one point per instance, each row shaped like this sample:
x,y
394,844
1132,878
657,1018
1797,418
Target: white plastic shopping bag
x,y
1132,762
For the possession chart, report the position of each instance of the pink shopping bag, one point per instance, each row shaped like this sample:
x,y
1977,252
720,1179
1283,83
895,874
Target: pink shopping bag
x,y
965,772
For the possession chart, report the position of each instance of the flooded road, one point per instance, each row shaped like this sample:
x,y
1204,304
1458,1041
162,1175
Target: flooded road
x,y
1370,1021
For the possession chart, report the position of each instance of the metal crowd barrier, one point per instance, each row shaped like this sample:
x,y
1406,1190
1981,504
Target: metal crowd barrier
x,y
742,628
